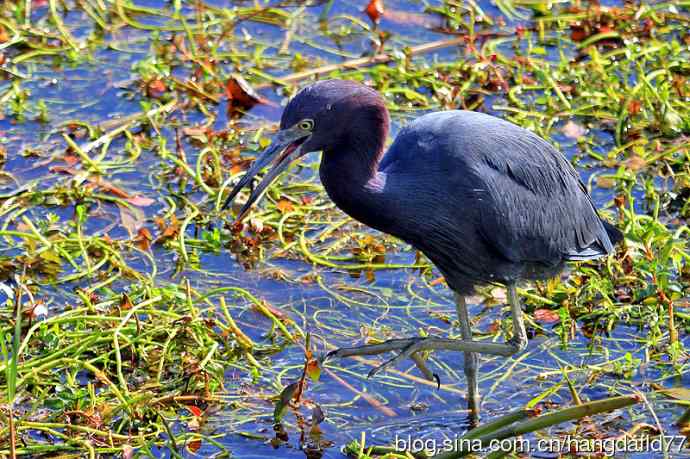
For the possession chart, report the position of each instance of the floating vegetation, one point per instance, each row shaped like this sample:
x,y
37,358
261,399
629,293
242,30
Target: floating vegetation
x,y
139,320
112,373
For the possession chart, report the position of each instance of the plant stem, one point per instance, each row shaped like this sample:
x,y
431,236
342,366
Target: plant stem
x,y
545,421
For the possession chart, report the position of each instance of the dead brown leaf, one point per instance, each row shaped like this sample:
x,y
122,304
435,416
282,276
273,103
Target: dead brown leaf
x,y
144,238
605,182
195,131
285,206
127,452
168,230
126,302
573,130
131,219
635,163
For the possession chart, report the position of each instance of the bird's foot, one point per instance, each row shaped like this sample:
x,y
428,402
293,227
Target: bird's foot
x,y
406,352
518,344
407,348
429,375
371,349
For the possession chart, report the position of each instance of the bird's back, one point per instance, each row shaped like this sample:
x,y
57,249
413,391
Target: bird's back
x,y
487,200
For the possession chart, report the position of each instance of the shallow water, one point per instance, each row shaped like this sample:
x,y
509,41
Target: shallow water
x,y
400,301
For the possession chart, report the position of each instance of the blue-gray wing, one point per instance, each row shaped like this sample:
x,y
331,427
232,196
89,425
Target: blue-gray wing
x,y
526,201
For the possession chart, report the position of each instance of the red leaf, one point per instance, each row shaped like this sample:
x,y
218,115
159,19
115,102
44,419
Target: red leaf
x,y
410,19
313,370
168,230
110,188
578,33
126,302
375,10
280,315
194,445
145,234
156,88
140,201
106,186
240,93
63,170
494,327
195,410
634,107
546,316
71,160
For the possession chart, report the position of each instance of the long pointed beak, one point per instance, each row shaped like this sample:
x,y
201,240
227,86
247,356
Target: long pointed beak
x,y
285,148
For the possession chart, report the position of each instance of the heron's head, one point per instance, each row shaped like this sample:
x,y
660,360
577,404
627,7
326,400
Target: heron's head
x,y
321,117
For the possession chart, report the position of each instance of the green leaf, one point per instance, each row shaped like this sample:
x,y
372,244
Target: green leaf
x,y
284,401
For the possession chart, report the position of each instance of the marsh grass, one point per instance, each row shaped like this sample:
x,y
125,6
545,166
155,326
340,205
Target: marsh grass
x,y
111,221
121,368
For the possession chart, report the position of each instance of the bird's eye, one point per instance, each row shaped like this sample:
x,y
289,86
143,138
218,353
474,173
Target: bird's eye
x,y
306,125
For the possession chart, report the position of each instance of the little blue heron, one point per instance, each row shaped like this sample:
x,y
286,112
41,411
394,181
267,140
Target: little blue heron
x,y
485,200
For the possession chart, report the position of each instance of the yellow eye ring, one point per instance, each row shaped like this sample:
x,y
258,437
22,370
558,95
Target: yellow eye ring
x,y
306,125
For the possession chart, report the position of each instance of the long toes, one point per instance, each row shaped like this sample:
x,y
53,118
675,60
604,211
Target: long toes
x,y
376,370
329,355
518,344
406,352
423,368
342,352
372,349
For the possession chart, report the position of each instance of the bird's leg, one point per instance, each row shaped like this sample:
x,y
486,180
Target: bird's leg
x,y
471,359
519,339
409,346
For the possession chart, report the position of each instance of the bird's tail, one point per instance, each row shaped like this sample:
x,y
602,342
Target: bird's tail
x,y
615,235
600,248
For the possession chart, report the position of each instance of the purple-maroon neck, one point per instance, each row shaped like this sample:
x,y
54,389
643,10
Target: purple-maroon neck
x,y
349,166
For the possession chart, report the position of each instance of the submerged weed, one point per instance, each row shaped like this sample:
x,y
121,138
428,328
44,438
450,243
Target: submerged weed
x,y
124,124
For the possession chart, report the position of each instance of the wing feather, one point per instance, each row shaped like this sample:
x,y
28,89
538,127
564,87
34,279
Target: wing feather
x,y
527,202
537,209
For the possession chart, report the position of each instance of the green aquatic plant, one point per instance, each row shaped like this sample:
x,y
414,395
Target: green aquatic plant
x,y
123,129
